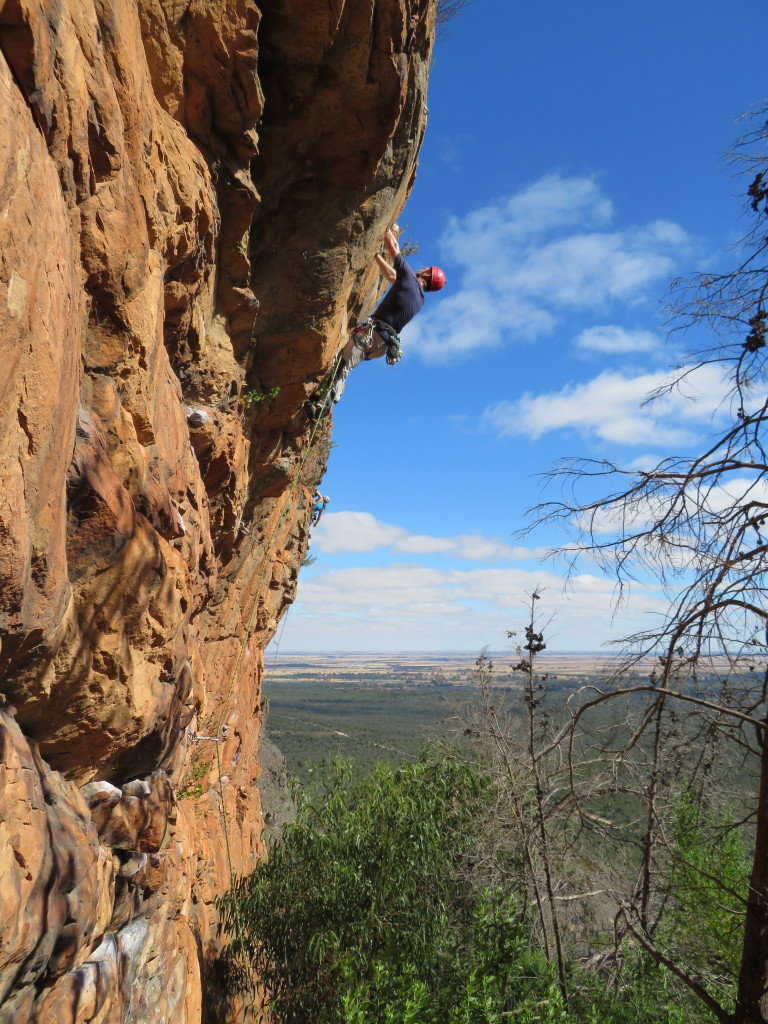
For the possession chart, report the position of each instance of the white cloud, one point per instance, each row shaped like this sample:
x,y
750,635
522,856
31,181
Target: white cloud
x,y
485,236
584,271
611,339
471,319
354,531
531,257
736,491
714,500
421,544
340,532
610,407
405,607
644,463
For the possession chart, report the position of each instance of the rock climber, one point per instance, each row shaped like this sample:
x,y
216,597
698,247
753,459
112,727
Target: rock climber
x,y
378,335
321,500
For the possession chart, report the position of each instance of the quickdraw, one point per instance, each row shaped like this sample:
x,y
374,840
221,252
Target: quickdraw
x,y
363,335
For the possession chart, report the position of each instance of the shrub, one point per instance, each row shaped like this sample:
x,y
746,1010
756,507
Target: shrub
x,y
364,911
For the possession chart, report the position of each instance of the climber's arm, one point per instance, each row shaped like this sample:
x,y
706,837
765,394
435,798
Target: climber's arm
x,y
385,269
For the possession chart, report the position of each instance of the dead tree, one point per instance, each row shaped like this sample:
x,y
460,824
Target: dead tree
x,y
698,524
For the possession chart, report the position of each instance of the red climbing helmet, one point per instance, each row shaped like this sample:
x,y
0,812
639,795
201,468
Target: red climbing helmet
x,y
436,279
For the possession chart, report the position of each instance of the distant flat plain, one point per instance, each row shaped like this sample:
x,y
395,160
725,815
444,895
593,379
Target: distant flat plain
x,y
383,707
456,667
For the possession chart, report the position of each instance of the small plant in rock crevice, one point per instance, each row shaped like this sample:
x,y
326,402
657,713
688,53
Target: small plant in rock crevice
x,y
191,784
256,397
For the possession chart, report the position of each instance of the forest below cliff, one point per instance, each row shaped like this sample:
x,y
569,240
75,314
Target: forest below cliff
x,y
486,878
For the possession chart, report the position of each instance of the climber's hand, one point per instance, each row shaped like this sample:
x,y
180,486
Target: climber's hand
x,y
390,244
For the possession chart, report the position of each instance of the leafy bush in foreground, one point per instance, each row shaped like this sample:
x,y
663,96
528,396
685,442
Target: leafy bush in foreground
x,y
364,913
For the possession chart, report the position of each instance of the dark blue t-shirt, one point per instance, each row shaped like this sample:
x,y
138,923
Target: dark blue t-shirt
x,y
403,300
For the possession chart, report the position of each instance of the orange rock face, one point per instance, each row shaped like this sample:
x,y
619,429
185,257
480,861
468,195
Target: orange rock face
x,y
190,200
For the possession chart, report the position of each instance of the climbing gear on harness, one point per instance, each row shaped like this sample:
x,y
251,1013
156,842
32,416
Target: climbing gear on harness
x,y
391,340
362,335
394,352
436,279
387,334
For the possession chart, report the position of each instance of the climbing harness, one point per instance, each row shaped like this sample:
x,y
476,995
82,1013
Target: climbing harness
x,y
363,336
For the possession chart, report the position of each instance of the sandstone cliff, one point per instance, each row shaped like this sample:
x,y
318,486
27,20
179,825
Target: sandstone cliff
x,y
191,197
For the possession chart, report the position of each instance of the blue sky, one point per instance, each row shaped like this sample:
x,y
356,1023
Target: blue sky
x,y
574,163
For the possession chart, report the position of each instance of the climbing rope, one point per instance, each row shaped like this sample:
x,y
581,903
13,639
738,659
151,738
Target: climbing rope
x,y
252,617
287,495
280,636
323,391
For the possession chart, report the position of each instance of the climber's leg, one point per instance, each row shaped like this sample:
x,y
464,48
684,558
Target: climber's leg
x,y
352,355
